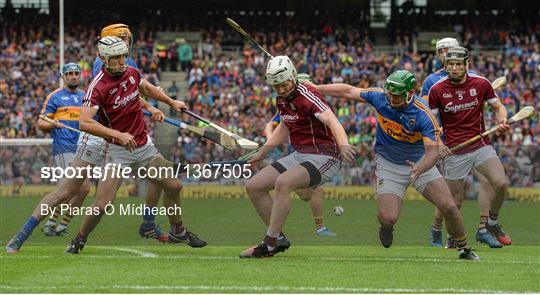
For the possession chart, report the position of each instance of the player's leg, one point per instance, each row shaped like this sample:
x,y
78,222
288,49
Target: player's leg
x,y
457,189
493,170
105,196
171,187
294,178
149,228
76,201
258,189
435,236
297,171
49,228
437,192
392,181
485,196
67,188
389,207
315,197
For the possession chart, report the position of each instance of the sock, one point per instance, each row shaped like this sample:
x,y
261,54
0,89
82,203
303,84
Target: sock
x,y
178,229
437,224
482,226
65,221
319,223
461,243
493,218
52,219
270,240
27,228
148,215
81,237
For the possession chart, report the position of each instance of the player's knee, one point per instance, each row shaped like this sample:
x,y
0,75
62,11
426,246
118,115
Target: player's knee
x,y
449,209
500,184
304,194
387,218
174,186
253,187
283,184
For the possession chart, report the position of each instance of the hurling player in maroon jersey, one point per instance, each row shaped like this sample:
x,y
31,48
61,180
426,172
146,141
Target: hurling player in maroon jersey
x,y
114,94
459,99
320,144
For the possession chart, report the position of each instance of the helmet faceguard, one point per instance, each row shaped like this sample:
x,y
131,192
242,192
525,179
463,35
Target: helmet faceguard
x,y
457,54
113,47
280,70
400,83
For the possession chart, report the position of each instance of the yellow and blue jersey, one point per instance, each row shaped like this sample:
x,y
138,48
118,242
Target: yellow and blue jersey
x,y
276,119
65,106
401,133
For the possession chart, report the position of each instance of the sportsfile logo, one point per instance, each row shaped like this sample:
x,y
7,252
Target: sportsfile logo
x,y
110,170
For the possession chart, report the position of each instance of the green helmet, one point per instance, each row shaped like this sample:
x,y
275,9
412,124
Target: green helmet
x,y
304,77
401,82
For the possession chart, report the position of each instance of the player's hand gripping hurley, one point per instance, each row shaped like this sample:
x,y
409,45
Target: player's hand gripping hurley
x,y
522,114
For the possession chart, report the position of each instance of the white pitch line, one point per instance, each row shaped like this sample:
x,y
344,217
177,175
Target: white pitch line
x,y
138,252
293,289
187,257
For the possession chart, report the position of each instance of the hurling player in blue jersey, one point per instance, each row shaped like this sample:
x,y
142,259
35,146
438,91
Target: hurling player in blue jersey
x,y
63,106
407,147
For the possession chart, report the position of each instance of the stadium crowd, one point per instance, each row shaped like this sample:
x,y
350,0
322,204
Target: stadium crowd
x,y
229,87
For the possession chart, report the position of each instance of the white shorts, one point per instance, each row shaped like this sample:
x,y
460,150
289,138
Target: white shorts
x,y
321,168
394,178
63,160
140,157
459,166
91,149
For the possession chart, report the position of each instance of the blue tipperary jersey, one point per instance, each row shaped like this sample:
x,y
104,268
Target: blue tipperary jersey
x,y
401,133
276,119
98,64
434,78
64,105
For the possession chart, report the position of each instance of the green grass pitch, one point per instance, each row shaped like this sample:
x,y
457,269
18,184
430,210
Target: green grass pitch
x,y
117,260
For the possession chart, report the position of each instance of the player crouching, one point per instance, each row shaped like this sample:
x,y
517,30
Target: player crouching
x,y
320,144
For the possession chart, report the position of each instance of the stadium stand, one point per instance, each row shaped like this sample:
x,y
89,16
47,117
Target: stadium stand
x,y
224,80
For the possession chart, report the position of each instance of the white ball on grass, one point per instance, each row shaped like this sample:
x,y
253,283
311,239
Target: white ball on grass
x,y
338,210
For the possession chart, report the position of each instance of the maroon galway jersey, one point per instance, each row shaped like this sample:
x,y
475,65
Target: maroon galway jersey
x,y
308,135
461,109
117,101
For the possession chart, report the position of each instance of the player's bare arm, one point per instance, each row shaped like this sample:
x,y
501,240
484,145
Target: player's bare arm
x,y
88,124
330,120
502,116
278,137
268,129
429,160
157,114
46,126
341,90
150,90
